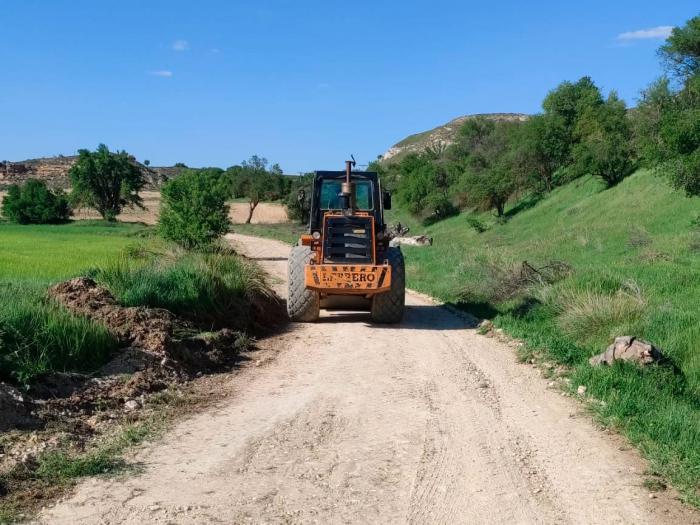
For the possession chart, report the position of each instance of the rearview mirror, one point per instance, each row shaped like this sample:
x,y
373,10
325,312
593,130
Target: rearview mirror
x,y
386,200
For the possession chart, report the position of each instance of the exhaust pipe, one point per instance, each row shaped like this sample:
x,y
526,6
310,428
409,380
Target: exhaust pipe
x,y
347,189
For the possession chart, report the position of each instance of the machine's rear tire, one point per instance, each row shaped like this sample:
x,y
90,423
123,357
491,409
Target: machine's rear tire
x,y
303,305
388,307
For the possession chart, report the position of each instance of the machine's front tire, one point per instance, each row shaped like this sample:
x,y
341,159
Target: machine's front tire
x,y
388,307
303,305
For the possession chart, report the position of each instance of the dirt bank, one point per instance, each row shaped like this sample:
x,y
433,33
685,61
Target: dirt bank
x,y
426,422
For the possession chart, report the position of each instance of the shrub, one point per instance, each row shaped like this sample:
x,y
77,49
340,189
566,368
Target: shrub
x,y
591,315
194,212
35,203
439,207
476,224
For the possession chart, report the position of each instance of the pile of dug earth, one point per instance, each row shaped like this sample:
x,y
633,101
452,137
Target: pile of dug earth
x,y
158,351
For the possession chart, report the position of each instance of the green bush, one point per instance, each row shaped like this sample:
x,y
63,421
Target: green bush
x,y
216,288
35,203
194,212
37,336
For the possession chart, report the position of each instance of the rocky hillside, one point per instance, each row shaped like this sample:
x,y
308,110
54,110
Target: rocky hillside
x,y
54,171
441,136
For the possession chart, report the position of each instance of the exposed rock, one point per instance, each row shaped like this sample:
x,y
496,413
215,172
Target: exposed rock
x,y
132,405
628,348
581,390
418,240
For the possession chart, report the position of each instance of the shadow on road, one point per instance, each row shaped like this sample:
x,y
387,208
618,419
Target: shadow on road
x,y
416,317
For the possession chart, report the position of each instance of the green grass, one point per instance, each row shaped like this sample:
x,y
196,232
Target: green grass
x,y
215,289
36,336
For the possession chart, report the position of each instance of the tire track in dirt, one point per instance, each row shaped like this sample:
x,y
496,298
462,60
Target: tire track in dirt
x,y
426,422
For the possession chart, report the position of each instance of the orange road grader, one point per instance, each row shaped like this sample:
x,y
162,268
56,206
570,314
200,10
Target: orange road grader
x,y
346,251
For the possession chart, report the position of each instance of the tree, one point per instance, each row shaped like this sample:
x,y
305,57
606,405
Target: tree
x,y
667,122
256,183
563,108
194,212
298,200
35,203
489,179
681,52
146,162
605,148
540,148
106,181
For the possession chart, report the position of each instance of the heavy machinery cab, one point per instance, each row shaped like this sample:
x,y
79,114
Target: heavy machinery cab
x,y
348,232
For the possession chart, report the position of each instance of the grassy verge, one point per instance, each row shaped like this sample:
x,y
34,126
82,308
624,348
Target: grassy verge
x,y
215,288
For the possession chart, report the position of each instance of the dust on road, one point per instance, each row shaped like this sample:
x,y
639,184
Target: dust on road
x,y
426,422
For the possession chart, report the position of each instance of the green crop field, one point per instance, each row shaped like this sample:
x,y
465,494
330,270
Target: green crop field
x,y
52,252
36,336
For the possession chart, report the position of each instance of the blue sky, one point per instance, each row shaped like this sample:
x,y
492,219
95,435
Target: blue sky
x,y
303,83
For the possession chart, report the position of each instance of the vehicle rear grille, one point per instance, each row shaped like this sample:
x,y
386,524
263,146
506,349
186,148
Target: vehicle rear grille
x,y
347,240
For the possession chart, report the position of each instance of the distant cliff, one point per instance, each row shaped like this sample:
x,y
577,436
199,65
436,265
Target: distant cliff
x,y
54,171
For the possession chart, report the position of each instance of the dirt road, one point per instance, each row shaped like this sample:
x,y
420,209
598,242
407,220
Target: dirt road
x,y
426,422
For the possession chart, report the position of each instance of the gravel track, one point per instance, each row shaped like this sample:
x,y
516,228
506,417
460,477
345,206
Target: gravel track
x,y
425,422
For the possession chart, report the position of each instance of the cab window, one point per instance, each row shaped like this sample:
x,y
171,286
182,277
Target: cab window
x,y
330,194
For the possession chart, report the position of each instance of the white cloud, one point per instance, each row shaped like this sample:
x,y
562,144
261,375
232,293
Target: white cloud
x,y
659,32
162,73
180,45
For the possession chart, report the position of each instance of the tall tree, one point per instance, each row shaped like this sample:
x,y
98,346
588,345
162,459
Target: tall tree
x,y
681,52
605,148
106,181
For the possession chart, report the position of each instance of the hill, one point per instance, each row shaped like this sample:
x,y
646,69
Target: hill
x,y
441,136
54,171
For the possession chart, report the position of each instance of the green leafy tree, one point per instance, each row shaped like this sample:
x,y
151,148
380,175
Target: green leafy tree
x,y
256,183
605,148
563,108
540,147
35,203
489,178
681,52
194,212
424,185
667,120
106,181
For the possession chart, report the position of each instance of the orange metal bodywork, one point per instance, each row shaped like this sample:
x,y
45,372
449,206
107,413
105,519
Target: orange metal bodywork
x,y
345,279
348,279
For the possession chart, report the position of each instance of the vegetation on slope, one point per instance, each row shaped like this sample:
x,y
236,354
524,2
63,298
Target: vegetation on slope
x,y
634,254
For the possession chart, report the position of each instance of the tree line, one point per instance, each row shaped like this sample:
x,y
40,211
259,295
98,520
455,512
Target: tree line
x,y
579,131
